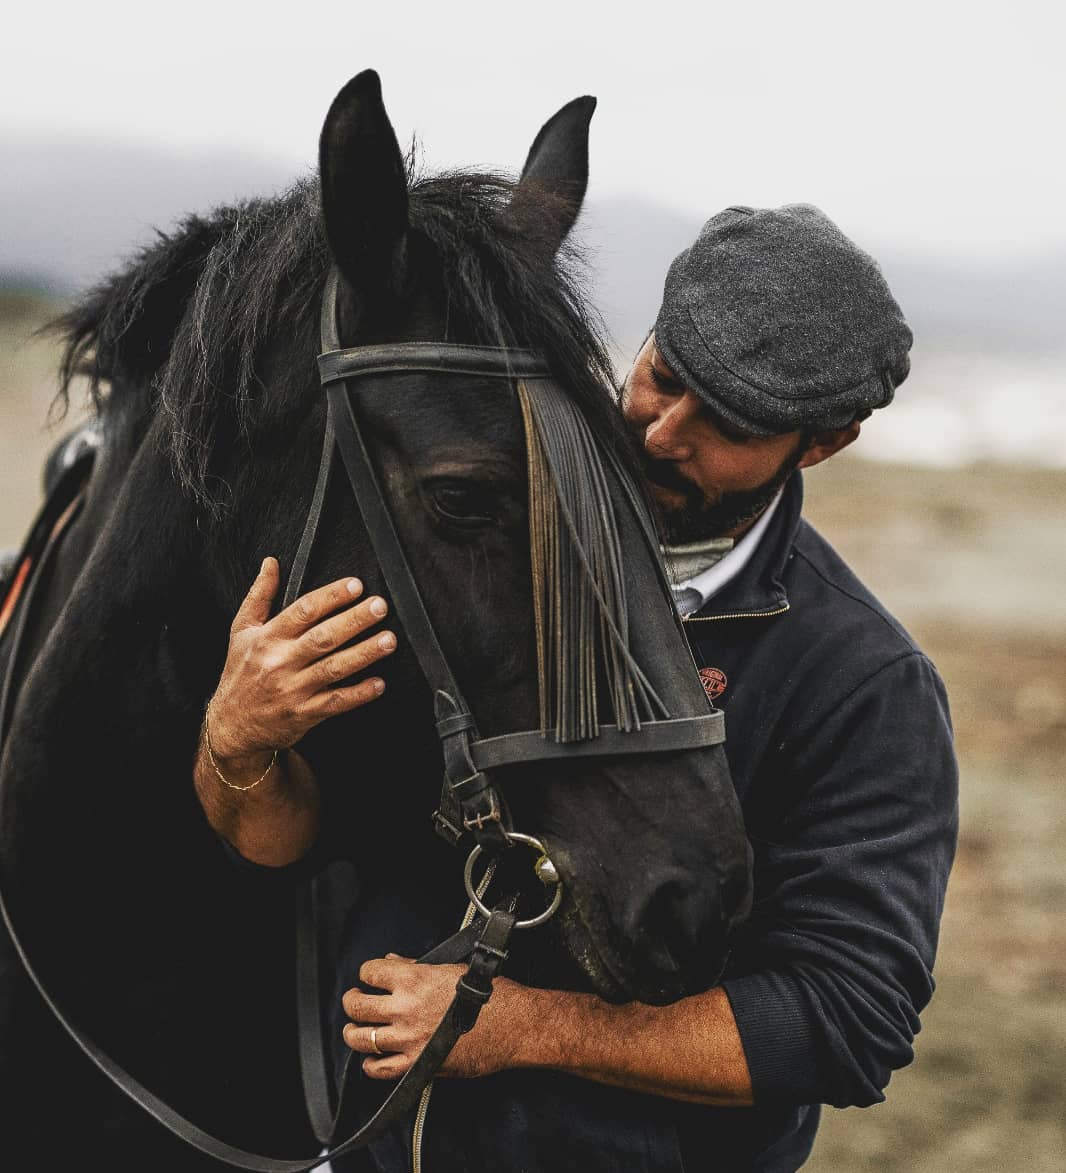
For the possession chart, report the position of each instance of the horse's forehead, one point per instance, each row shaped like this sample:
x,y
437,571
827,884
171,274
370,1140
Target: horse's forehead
x,y
426,414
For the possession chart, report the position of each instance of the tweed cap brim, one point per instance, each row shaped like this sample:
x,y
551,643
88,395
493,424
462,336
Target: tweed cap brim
x,y
779,322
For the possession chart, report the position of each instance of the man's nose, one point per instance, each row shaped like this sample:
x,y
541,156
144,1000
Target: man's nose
x,y
667,432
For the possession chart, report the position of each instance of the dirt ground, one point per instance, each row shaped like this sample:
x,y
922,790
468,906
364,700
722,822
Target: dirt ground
x,y
973,561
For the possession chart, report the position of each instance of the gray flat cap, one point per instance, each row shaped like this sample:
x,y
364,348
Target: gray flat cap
x,y
780,322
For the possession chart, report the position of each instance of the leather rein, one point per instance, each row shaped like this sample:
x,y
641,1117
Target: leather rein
x,y
470,810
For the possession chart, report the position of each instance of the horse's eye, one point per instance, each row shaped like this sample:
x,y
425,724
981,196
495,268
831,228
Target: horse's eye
x,y
467,505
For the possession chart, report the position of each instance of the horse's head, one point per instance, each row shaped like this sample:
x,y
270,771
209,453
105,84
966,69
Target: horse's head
x,y
517,506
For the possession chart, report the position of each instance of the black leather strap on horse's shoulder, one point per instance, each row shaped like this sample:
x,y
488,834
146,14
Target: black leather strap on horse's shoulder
x,y
41,546
314,516
315,1070
486,945
327,329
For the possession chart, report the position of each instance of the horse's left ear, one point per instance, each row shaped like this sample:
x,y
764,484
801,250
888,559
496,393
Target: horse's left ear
x,y
557,165
364,190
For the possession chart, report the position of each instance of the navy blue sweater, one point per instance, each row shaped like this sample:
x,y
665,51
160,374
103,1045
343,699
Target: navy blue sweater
x,y
840,746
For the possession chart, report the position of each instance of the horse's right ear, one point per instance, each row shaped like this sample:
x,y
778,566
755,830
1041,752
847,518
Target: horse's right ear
x,y
364,190
557,166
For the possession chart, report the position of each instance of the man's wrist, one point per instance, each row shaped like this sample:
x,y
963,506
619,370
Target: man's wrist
x,y
252,778
236,764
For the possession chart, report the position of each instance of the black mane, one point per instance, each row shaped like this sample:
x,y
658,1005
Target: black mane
x,y
186,328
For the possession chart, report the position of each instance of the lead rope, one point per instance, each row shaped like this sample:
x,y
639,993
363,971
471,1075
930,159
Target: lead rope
x,y
423,1103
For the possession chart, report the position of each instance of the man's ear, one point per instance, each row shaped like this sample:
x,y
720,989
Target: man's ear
x,y
828,443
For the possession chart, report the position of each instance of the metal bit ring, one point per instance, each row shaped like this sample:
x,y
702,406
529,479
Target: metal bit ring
x,y
526,841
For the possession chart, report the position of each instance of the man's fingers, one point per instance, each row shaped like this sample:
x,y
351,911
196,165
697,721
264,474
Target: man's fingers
x,y
301,615
255,609
381,974
336,631
334,701
363,1037
347,662
372,1008
390,1067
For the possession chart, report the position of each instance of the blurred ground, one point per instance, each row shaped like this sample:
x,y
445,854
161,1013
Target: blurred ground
x,y
973,561
27,387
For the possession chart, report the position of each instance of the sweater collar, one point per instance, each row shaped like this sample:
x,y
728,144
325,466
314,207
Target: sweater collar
x,y
758,588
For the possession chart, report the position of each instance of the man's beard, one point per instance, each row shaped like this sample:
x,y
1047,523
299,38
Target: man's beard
x,y
698,519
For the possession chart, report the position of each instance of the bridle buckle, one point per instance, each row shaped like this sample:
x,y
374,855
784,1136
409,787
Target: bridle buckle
x,y
472,822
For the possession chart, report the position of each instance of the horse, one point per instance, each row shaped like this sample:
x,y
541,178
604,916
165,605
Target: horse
x,y
201,356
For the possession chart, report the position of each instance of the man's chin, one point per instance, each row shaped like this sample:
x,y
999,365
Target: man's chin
x,y
668,500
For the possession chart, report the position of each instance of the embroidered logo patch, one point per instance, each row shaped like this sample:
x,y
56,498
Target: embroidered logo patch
x,y
714,682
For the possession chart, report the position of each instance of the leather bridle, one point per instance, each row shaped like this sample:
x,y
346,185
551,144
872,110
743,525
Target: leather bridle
x,y
470,811
469,802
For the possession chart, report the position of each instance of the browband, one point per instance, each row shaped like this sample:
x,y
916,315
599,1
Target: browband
x,y
494,362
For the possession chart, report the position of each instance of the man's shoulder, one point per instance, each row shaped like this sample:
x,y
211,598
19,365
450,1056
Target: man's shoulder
x,y
829,599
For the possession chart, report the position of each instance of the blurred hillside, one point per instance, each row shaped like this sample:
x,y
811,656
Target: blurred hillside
x,y
989,369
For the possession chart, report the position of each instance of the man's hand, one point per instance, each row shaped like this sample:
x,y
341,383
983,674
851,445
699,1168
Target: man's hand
x,y
415,999
282,675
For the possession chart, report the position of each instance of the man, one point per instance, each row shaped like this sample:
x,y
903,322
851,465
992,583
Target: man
x,y
776,337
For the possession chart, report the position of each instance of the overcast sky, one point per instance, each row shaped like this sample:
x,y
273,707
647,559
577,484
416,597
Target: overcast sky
x,y
929,128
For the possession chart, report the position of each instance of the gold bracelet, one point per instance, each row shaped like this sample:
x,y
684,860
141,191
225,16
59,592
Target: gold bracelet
x,y
214,765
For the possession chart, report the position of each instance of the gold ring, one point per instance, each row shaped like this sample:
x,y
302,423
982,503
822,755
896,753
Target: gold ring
x,y
374,1048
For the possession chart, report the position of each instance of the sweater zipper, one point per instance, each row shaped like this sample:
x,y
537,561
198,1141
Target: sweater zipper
x,y
427,1091
736,615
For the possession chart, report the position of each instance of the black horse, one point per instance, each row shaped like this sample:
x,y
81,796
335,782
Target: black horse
x,y
202,357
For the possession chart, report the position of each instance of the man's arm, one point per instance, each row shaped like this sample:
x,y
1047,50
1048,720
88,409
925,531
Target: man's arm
x,y
273,824
687,1051
830,974
282,677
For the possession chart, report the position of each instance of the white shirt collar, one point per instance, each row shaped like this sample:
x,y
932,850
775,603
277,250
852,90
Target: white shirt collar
x,y
711,581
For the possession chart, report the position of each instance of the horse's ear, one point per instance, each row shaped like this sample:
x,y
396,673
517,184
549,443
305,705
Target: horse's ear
x,y
364,189
557,166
